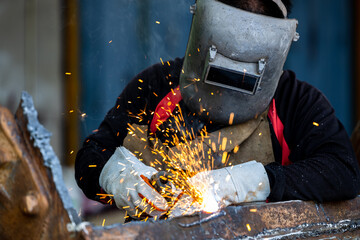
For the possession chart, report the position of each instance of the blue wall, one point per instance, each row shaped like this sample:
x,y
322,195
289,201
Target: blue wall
x,y
119,38
323,55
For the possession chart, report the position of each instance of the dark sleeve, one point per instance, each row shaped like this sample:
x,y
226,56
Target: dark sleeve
x,y
135,105
324,166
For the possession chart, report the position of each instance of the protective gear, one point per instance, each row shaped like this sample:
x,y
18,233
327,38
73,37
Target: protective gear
x,y
127,179
233,61
247,182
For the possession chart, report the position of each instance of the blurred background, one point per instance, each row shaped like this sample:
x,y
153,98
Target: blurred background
x,y
75,57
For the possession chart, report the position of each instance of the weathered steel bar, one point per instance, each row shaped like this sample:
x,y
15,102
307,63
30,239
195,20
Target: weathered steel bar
x,y
282,220
34,202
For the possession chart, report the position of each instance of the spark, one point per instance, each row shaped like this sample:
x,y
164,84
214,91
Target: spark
x,y
71,111
71,152
223,144
68,73
315,124
224,157
92,165
236,149
104,195
231,119
110,41
248,227
157,22
140,130
254,210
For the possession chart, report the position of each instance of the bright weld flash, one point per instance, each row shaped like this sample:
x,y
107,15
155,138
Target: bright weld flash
x,y
209,204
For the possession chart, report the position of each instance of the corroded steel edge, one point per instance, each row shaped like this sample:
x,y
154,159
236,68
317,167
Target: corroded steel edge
x,y
281,220
41,140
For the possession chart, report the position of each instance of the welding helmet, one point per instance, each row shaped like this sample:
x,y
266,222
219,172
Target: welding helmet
x,y
234,60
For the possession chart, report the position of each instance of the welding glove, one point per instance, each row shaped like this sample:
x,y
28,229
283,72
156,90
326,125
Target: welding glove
x,y
247,182
126,178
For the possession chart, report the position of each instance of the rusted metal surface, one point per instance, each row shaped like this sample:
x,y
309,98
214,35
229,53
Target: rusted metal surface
x,y
30,203
282,220
34,202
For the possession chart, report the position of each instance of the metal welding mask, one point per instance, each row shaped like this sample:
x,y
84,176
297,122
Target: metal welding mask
x,y
233,62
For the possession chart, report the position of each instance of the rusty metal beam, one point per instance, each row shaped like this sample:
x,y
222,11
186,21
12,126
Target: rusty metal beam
x,y
31,191
282,220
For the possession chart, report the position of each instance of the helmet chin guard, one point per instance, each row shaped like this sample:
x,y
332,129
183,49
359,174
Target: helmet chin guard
x,y
233,62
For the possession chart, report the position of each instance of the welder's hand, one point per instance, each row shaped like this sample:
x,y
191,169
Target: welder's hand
x,y
127,178
247,182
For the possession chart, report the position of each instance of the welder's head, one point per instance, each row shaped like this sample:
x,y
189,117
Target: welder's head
x,y
264,7
234,58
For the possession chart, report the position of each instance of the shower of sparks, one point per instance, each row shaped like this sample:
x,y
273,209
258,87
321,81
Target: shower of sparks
x,y
192,153
188,157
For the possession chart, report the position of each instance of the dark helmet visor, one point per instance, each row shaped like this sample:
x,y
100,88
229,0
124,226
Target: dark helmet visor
x,y
236,80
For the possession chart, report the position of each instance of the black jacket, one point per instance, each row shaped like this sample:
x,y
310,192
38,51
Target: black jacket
x,y
324,166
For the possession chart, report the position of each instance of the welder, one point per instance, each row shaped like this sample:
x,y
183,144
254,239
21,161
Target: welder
x,y
284,140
